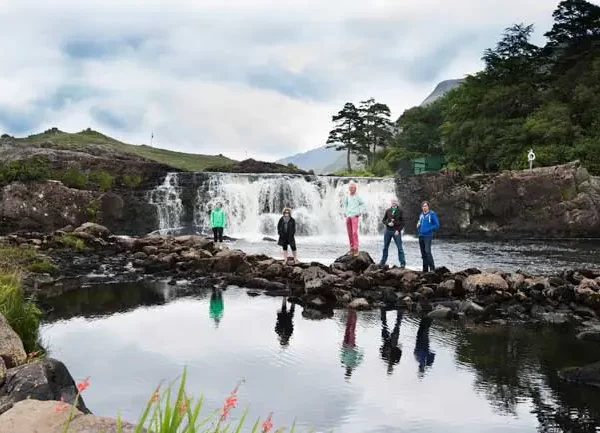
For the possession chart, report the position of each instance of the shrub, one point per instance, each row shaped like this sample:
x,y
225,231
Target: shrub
x,y
132,181
74,178
22,314
28,170
102,179
68,240
93,209
43,266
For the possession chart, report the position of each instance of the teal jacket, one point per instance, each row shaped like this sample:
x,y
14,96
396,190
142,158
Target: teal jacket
x,y
353,205
217,218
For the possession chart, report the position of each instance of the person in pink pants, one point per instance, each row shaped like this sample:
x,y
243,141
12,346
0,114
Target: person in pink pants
x,y
353,207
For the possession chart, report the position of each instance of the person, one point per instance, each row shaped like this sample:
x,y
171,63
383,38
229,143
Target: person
x,y
218,221
423,354
351,354
286,228
216,306
427,225
354,206
390,349
394,223
284,326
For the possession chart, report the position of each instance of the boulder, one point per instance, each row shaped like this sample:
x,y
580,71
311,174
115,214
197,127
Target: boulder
x,y
585,375
484,283
440,312
2,371
228,261
46,417
94,229
12,351
359,304
47,379
314,278
470,308
359,263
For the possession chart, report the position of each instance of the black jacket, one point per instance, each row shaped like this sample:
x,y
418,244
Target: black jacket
x,y
291,231
395,216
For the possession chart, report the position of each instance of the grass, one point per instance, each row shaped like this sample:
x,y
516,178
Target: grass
x,y
96,143
69,240
166,412
22,314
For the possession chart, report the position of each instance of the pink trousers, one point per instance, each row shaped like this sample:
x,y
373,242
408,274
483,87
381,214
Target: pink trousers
x,y
352,228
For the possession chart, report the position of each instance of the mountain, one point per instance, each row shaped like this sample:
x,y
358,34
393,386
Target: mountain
x,y
441,89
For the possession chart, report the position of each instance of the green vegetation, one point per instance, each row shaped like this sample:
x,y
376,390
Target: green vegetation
x,y
102,179
527,97
28,170
99,144
22,314
68,240
132,181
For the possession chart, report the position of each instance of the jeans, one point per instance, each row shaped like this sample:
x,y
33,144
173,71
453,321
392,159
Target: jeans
x,y
425,244
387,239
218,234
352,228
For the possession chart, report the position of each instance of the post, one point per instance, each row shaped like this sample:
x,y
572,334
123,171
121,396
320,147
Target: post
x,y
151,138
531,158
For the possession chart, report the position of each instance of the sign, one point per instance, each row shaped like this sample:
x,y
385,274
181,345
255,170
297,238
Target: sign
x,y
531,158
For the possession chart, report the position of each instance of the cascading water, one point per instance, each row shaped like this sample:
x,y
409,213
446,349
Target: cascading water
x,y
167,199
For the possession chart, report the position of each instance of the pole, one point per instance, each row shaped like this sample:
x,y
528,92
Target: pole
x,y
151,138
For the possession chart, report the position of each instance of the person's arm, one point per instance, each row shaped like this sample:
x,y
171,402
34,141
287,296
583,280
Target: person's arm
x,y
400,221
436,222
346,206
280,226
293,227
385,218
212,219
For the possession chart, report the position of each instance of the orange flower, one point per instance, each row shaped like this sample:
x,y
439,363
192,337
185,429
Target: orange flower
x,y
267,425
61,406
230,402
84,384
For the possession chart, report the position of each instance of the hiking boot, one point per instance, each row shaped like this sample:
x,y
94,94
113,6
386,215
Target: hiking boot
x,y
355,253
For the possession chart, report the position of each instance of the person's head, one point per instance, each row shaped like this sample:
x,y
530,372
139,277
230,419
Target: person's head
x,y
425,206
352,188
219,205
394,202
287,212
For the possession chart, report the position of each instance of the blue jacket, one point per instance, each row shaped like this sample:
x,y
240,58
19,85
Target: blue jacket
x,y
428,224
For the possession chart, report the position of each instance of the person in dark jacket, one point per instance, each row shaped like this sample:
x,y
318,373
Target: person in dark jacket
x,y
394,223
286,228
428,224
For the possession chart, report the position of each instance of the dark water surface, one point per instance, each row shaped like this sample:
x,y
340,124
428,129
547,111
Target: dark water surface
x,y
345,374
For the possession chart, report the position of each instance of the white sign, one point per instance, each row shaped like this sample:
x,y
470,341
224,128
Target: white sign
x,y
531,158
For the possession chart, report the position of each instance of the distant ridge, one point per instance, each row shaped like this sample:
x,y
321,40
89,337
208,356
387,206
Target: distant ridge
x,y
441,89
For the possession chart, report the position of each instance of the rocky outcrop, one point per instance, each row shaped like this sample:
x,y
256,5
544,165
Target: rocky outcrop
x,y
45,417
254,166
12,352
47,379
559,201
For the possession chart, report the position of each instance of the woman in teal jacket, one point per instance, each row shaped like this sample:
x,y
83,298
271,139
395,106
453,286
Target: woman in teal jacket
x,y
218,221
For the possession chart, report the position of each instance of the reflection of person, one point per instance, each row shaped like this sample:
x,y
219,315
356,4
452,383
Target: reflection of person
x,y
390,349
216,306
218,221
354,206
351,354
284,327
423,354
427,225
394,223
286,228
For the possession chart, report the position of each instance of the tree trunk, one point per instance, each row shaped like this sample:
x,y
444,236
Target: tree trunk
x,y
348,160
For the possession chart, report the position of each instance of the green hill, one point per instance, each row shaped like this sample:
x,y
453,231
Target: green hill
x,y
95,143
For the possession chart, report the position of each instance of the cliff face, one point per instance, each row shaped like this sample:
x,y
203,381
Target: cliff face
x,y
548,202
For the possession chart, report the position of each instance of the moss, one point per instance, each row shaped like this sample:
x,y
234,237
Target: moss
x,y
68,240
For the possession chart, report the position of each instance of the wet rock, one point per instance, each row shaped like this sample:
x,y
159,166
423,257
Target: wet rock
x,y
589,283
363,282
585,312
47,379
273,270
484,283
312,314
140,256
585,375
592,335
440,313
357,264
359,304
426,291
94,229
516,282
11,347
445,289
228,261
314,278
42,417
2,370
553,318
470,308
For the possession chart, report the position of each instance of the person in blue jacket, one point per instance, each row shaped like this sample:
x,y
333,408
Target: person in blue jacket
x,y
427,225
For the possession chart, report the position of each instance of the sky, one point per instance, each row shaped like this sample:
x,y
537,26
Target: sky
x,y
244,78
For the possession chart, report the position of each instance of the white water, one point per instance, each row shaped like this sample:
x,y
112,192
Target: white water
x,y
254,204
167,199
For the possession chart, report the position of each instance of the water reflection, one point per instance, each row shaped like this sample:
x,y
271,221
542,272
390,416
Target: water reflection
x,y
351,354
423,353
390,349
216,306
284,326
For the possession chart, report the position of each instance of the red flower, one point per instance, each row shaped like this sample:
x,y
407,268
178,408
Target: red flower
x,y
84,384
182,408
267,425
61,406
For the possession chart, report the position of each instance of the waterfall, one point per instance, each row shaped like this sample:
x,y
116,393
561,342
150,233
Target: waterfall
x,y
253,202
167,199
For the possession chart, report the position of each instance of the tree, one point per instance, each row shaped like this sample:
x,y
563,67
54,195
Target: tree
x,y
347,134
574,21
376,128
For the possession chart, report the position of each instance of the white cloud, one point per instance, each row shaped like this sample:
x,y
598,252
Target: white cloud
x,y
229,77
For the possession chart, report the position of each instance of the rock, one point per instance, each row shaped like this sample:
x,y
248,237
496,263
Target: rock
x,y
445,288
150,250
359,304
484,283
11,347
228,261
592,335
363,282
516,282
93,229
440,312
140,256
312,314
269,239
555,318
2,371
589,283
585,375
426,291
43,417
470,308
356,264
47,379
314,278
273,270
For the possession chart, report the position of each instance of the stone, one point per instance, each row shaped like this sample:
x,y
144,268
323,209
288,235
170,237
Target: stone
x,y
228,260
140,256
47,379
363,282
445,288
585,375
470,308
2,371
356,264
94,229
484,283
314,278
150,250
440,312
359,304
42,417
589,283
516,282
11,347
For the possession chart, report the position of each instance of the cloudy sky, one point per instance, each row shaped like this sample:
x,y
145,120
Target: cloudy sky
x,y
239,77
